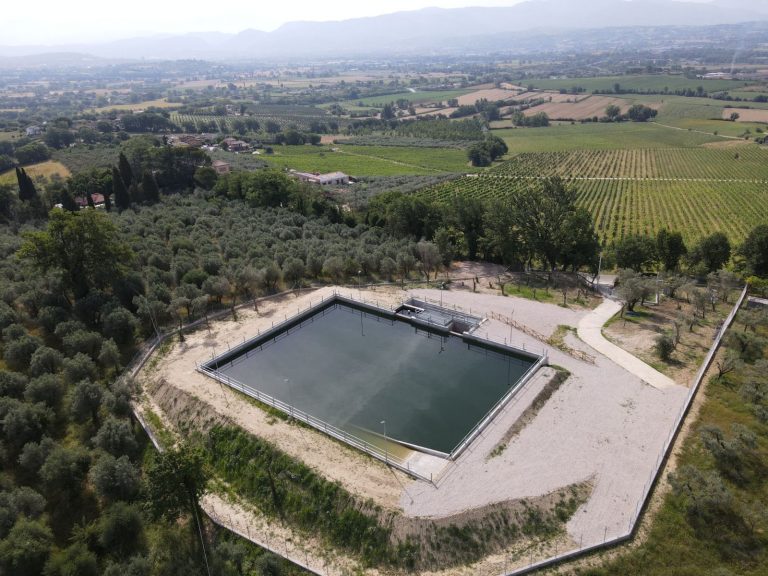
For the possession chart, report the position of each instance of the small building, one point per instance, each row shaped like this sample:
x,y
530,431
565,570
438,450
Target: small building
x,y
234,145
221,167
33,131
98,201
191,140
332,178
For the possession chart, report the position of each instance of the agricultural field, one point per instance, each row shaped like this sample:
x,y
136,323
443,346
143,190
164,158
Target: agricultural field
x,y
293,118
629,135
748,164
641,191
550,97
159,103
747,115
43,170
640,82
10,136
83,158
369,160
490,94
415,97
584,108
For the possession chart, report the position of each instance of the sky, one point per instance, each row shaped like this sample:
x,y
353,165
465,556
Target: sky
x,y
55,22
50,22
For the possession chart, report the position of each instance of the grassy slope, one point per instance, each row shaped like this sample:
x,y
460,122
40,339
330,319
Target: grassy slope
x,y
43,169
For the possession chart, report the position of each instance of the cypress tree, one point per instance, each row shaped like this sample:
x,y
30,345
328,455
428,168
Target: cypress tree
x,y
68,203
125,170
89,197
27,190
149,186
122,198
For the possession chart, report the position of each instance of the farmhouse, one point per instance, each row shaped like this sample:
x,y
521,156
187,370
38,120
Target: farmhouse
x,y
234,145
338,178
221,167
98,201
33,131
190,140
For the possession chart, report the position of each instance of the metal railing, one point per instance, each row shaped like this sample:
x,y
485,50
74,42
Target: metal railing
x,y
498,407
329,429
240,352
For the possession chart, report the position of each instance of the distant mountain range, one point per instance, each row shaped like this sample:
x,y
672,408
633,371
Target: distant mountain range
x,y
430,31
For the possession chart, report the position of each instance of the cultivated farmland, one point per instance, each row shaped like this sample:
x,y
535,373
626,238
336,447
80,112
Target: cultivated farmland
x,y
369,160
588,107
746,115
696,191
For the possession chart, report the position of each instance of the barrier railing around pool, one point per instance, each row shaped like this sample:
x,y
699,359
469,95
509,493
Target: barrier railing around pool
x,y
277,330
330,429
498,407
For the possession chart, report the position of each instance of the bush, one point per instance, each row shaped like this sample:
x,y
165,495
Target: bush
x,y
26,549
121,529
18,353
116,437
665,345
45,360
115,478
79,368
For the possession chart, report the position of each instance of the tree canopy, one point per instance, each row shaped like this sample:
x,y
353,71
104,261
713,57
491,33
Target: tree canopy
x,y
83,246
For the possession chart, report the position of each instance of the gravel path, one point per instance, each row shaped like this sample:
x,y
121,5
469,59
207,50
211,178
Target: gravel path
x,y
590,330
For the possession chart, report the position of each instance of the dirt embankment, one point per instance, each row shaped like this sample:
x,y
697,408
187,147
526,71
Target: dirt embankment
x,y
438,543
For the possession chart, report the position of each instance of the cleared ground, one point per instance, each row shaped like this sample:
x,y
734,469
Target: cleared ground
x,y
590,107
491,94
746,115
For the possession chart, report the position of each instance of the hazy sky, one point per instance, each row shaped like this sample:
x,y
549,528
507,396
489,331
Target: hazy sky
x,y
83,21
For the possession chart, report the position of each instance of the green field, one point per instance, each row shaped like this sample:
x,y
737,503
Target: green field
x,y
748,94
597,136
719,127
369,160
652,82
747,163
695,191
417,97
9,136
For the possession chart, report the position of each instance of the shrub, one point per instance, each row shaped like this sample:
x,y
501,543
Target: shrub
x,y
665,345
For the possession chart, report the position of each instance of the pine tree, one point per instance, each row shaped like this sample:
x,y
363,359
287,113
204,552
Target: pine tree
x,y
150,188
122,198
125,170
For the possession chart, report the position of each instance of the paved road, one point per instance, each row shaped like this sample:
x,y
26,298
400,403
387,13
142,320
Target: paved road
x,y
590,331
